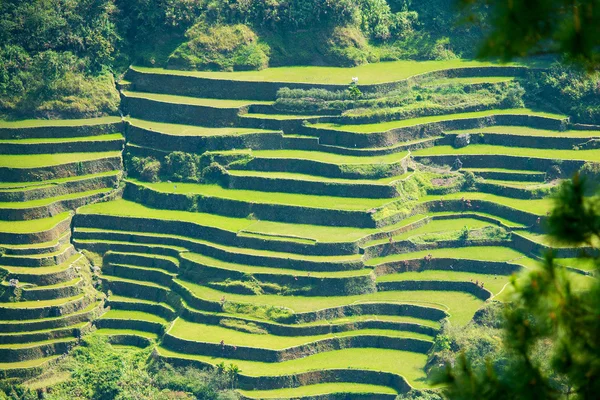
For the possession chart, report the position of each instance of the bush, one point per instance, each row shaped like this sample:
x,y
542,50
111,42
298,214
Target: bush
x,y
569,90
182,167
146,168
220,47
52,85
347,47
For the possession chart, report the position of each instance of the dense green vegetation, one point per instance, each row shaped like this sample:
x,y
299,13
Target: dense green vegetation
x,y
59,58
305,199
100,371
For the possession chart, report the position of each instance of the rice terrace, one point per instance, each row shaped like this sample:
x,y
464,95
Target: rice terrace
x,y
345,218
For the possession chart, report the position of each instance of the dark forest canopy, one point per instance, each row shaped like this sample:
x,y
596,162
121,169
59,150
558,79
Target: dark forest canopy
x,y
59,58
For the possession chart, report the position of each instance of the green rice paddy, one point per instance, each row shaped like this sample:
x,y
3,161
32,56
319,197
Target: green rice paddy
x,y
45,160
190,130
253,196
319,389
386,126
368,74
193,101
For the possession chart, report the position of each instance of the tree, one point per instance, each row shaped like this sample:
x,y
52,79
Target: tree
x,y
548,311
525,27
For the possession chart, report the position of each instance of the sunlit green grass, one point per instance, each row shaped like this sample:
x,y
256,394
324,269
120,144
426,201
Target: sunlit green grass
x,y
191,130
50,200
313,178
409,365
319,389
474,80
21,186
133,315
528,131
440,225
328,158
534,206
106,331
493,283
31,226
461,306
45,160
214,334
481,253
27,364
77,139
484,149
367,74
41,303
258,197
386,126
195,101
278,117
34,123
33,344
251,269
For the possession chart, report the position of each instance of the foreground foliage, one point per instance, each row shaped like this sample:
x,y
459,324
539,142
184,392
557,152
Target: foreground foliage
x,y
99,371
550,347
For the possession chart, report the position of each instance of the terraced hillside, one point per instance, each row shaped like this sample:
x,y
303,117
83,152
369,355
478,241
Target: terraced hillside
x,y
318,252
47,170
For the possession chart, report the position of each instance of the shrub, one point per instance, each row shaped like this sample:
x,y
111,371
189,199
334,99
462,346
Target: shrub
x,y
220,47
182,167
347,47
151,171
214,173
145,168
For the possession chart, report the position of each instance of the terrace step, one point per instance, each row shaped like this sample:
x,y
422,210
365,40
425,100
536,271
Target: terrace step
x,y
368,366
128,337
214,340
16,352
308,184
43,335
381,134
284,207
52,188
41,128
184,110
33,232
35,310
26,369
198,139
337,390
43,167
141,289
104,246
115,216
225,253
60,290
37,248
324,164
43,208
507,174
137,320
249,279
163,310
100,143
90,312
56,257
518,189
294,309
165,263
45,276
134,272
385,322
